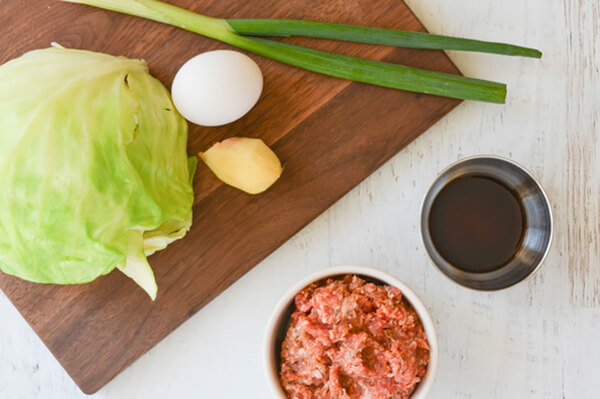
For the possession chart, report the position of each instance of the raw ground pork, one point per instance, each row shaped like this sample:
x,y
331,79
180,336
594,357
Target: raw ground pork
x,y
353,339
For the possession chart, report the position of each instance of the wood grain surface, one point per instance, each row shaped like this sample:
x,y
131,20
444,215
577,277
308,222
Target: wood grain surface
x,y
330,135
582,178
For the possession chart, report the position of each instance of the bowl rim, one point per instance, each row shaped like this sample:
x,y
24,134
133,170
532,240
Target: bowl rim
x,y
531,176
271,369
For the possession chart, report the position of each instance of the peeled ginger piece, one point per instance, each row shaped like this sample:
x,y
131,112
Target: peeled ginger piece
x,y
244,163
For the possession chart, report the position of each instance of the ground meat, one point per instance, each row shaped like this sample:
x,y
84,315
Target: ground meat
x,y
352,339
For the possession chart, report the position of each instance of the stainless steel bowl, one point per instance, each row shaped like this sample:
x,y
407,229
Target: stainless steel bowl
x,y
538,218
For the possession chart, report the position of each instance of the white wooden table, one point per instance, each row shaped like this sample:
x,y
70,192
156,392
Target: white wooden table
x,y
538,340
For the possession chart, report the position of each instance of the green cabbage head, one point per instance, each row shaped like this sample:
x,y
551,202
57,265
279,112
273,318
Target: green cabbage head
x,y
94,172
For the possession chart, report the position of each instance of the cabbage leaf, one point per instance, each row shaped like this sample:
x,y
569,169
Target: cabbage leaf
x,y
94,173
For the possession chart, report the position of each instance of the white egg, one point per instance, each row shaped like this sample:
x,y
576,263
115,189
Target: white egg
x,y
217,87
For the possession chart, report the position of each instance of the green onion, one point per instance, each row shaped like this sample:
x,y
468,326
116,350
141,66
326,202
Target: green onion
x,y
337,65
366,34
378,73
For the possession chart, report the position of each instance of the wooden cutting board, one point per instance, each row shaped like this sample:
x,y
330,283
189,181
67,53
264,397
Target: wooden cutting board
x,y
329,133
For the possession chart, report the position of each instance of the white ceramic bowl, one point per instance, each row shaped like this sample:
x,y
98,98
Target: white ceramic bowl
x,y
277,324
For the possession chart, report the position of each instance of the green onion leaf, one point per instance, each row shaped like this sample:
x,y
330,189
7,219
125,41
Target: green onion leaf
x,y
337,65
366,34
378,73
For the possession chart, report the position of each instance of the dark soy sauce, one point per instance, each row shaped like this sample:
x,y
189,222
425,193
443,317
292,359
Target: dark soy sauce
x,y
477,223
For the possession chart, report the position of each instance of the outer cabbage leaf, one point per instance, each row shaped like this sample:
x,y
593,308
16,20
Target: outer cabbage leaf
x,y
93,168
